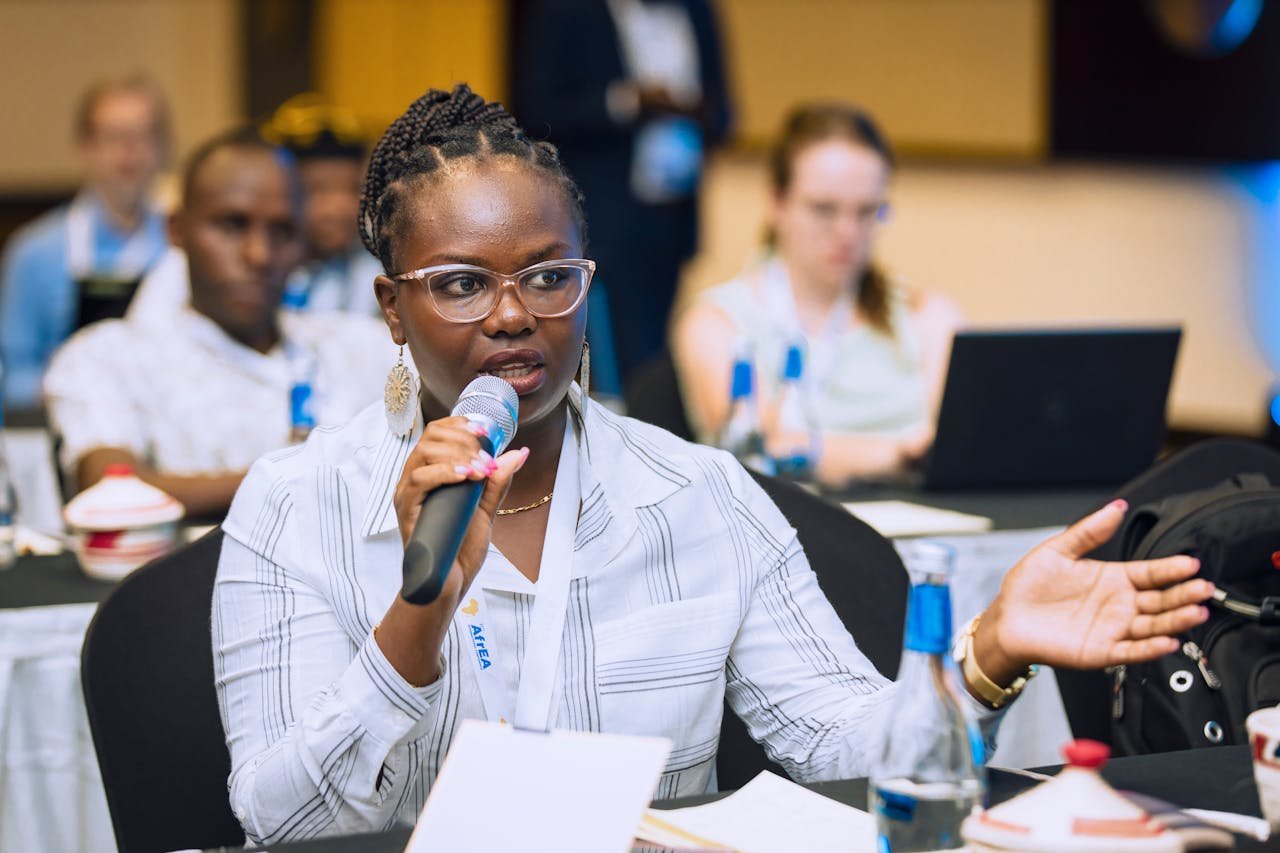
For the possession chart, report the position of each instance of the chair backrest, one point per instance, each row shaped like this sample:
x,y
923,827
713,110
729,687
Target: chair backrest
x,y
862,575
147,674
1086,695
653,396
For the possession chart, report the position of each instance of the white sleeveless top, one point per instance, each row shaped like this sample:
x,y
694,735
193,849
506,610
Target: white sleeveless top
x,y
858,378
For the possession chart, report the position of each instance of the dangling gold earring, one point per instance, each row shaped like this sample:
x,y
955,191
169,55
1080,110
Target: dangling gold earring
x,y
398,397
584,375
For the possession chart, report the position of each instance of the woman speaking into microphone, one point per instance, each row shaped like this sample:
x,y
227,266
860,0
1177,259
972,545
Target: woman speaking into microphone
x,y
613,577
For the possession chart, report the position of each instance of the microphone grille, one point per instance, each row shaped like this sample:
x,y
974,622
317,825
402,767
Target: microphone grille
x,y
495,399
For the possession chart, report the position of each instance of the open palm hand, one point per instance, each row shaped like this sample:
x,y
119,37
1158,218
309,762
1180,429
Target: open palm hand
x,y
1056,607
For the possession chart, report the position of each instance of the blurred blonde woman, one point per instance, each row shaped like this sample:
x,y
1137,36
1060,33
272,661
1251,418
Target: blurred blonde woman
x,y
875,353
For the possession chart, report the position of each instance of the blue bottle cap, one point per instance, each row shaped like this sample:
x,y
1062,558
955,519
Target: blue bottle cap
x,y
793,368
742,379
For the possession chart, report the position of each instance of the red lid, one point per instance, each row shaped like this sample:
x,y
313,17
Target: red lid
x,y
118,469
1091,754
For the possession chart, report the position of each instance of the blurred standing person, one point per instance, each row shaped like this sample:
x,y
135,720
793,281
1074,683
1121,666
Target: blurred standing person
x,y
82,261
638,99
190,403
337,273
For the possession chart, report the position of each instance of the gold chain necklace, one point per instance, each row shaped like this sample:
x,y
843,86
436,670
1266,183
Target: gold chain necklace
x,y
539,502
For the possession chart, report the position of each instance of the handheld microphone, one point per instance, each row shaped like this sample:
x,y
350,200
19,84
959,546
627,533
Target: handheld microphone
x,y
446,512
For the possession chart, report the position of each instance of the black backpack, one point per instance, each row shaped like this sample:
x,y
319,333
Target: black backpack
x,y
1230,665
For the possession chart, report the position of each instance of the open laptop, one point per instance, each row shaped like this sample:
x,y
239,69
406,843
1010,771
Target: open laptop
x,y
1051,408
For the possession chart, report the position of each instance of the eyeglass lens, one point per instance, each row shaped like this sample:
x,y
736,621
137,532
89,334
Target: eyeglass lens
x,y
471,294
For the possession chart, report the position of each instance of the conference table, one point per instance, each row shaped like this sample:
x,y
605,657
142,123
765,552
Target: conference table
x,y
1220,779
51,796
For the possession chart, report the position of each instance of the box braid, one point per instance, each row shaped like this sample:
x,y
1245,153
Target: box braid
x,y
438,128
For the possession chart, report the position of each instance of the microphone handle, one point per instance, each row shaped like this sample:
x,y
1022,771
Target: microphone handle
x,y
437,536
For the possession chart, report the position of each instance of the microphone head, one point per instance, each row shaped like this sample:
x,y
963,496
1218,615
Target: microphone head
x,y
493,400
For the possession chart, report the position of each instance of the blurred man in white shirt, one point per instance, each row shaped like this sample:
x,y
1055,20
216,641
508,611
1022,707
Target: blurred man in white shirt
x,y
190,403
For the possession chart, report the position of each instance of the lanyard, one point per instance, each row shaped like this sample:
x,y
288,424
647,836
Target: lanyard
x,y
130,263
302,374
534,693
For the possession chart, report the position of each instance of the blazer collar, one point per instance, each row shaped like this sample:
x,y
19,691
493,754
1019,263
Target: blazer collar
x,y
385,466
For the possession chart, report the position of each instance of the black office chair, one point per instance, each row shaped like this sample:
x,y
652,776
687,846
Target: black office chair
x,y
652,395
863,577
147,673
1086,695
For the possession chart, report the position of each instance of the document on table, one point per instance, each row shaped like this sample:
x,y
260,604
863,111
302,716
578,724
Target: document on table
x,y
767,815
504,789
901,518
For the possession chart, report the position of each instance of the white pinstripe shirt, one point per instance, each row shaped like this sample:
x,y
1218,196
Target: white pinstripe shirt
x,y
688,585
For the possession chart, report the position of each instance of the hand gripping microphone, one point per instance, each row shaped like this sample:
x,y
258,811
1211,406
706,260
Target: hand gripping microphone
x,y
446,512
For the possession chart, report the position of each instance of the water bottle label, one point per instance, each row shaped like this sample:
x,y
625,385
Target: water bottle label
x,y
896,805
929,619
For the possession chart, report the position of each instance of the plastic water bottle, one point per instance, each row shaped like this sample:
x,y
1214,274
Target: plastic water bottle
x,y
930,776
741,435
799,461
8,515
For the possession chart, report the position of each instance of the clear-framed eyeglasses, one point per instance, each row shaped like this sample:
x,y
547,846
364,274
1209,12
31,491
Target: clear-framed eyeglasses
x,y
462,293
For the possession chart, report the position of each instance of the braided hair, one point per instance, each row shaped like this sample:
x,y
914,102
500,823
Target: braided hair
x,y
438,128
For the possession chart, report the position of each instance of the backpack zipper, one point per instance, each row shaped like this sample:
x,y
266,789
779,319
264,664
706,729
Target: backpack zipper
x,y
1193,651
1118,674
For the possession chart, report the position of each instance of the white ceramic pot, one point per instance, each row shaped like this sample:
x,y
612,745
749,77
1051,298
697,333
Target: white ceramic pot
x,y
1074,812
120,523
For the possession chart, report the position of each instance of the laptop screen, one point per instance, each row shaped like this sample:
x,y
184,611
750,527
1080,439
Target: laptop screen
x,y
1052,407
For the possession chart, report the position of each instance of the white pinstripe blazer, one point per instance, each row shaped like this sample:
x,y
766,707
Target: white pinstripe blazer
x,y
688,586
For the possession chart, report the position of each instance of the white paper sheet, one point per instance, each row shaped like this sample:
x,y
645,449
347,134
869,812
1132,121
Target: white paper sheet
x,y
767,815
901,518
501,789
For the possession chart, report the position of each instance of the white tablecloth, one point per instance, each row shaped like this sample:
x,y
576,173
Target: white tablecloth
x,y
51,797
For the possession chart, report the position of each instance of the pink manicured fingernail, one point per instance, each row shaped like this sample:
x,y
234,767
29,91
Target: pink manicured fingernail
x,y
464,470
491,469
1120,504
480,467
478,429
484,457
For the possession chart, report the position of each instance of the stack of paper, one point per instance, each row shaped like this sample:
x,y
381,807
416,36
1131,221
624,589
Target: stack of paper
x,y
767,815
574,792
900,518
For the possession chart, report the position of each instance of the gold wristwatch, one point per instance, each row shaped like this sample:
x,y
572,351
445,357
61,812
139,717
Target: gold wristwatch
x,y
988,691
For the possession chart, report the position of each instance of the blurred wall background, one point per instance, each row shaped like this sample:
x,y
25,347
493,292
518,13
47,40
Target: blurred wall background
x,y
961,86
